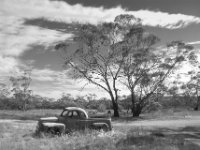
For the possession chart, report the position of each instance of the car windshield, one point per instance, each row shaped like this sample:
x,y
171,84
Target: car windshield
x,y
64,113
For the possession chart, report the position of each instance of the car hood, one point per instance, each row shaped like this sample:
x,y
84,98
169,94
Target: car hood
x,y
49,119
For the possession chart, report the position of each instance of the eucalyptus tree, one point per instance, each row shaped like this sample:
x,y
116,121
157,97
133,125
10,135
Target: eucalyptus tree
x,y
4,91
21,88
109,54
146,68
192,87
96,55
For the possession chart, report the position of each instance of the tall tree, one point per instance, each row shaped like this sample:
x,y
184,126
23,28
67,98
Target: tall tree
x,y
145,67
98,56
21,88
122,51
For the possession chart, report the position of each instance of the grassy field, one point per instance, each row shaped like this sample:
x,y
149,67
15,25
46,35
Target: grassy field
x,y
35,114
28,115
19,135
13,137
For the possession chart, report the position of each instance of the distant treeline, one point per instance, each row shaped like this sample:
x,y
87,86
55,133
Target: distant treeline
x,y
38,102
103,104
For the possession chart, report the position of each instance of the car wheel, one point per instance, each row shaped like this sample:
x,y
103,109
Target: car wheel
x,y
104,128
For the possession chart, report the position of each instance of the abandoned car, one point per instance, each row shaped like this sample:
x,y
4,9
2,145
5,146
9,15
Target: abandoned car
x,y
71,119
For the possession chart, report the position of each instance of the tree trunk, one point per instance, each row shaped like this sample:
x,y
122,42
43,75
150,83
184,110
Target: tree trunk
x,y
136,108
196,108
133,109
137,111
115,105
25,106
116,110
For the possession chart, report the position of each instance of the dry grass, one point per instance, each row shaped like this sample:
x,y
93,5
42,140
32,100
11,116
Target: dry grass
x,y
35,114
38,113
20,137
28,115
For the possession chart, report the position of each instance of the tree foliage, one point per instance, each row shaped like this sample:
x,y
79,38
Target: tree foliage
x,y
4,91
21,88
123,52
98,56
147,68
192,87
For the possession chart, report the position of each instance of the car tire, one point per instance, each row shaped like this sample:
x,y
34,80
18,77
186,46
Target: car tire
x,y
104,128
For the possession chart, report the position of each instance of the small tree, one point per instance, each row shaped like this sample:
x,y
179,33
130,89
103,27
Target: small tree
x,y
146,68
4,91
20,87
193,87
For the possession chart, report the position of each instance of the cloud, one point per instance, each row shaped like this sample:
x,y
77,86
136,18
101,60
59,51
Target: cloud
x,y
44,75
50,83
16,37
57,93
48,76
165,20
62,11
194,43
7,65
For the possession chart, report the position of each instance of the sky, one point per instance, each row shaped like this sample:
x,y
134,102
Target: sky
x,y
29,30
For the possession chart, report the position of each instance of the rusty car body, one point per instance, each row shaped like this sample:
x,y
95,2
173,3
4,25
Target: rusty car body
x,y
71,119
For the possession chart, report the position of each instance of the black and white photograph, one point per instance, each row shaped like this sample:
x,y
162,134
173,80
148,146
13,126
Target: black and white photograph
x,y
99,74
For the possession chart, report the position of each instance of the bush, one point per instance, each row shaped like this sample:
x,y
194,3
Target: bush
x,y
102,108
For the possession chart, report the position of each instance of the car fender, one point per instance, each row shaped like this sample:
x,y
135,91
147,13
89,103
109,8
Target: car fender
x,y
53,127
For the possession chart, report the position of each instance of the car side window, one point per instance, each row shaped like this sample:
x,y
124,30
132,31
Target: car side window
x,y
82,115
75,115
69,114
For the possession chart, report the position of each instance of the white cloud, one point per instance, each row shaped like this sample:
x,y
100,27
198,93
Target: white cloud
x,y
165,20
44,74
57,93
50,94
50,83
194,43
7,65
62,11
16,37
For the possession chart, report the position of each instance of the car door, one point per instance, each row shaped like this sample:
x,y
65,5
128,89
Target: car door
x,y
75,120
82,121
66,118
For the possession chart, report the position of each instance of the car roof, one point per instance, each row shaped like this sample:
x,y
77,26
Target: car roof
x,y
74,108
77,108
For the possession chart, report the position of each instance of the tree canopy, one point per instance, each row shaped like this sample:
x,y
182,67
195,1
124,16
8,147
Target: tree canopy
x,y
122,52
